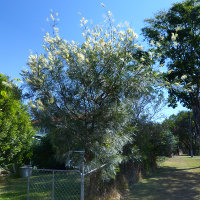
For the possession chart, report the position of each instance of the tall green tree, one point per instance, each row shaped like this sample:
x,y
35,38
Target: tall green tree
x,y
84,92
16,131
175,40
182,126
153,140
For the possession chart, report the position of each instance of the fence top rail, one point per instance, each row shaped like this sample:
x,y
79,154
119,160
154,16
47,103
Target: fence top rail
x,y
56,170
96,169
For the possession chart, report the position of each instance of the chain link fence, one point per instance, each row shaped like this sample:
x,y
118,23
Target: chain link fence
x,y
55,184
47,184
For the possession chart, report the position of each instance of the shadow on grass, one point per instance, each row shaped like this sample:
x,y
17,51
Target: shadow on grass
x,y
13,188
168,184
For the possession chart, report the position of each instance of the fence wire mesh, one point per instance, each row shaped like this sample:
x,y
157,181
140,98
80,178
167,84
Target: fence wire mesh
x,y
54,185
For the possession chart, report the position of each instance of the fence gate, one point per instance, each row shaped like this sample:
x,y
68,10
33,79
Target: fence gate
x,y
55,185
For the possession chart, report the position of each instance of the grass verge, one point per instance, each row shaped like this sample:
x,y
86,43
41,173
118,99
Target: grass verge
x,y
177,178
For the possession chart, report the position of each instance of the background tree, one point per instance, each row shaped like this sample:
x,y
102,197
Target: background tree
x,y
44,154
175,39
153,140
184,130
16,131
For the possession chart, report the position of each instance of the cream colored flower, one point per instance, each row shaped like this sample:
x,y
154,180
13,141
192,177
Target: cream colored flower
x,y
135,35
140,47
162,37
33,106
152,42
85,22
183,77
129,30
51,101
122,33
122,59
83,19
177,84
170,71
158,44
174,36
81,57
142,59
52,17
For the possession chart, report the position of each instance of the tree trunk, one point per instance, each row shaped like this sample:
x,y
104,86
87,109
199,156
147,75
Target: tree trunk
x,y
94,186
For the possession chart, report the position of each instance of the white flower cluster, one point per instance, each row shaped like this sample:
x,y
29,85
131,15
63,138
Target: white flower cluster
x,y
7,84
173,38
101,44
184,77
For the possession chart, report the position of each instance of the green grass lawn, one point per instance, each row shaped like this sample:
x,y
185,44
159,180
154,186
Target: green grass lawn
x,y
177,178
13,188
66,186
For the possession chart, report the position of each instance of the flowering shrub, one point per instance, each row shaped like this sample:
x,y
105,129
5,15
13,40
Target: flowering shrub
x,y
84,92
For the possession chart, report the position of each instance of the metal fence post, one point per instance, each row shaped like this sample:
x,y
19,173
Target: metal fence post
x,y
82,182
52,197
28,189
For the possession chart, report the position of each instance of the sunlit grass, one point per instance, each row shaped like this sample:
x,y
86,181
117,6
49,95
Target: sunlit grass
x,y
177,178
67,186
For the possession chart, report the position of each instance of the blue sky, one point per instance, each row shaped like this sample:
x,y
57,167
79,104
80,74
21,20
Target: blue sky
x,y
23,24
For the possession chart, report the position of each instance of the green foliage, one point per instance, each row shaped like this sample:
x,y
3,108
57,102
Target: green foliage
x,y
84,92
151,140
180,127
16,131
175,39
44,154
